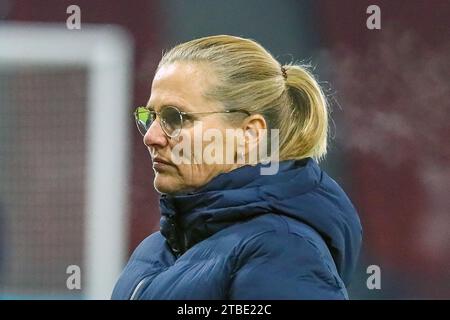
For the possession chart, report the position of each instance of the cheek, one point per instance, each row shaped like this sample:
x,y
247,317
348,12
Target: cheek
x,y
193,175
194,172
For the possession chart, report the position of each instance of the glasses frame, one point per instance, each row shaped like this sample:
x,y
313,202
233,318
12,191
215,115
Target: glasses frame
x,y
155,114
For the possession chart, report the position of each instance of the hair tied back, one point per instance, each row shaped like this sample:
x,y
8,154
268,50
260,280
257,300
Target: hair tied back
x,y
283,72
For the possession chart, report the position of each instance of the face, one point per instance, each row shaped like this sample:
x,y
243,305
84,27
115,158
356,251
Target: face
x,y
183,84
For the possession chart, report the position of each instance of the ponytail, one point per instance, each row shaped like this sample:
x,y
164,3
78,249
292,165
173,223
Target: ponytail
x,y
303,131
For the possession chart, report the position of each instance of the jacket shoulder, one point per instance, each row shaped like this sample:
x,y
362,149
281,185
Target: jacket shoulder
x,y
150,257
278,263
154,248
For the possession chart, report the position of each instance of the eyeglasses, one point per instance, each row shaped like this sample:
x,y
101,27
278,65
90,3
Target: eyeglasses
x,y
171,119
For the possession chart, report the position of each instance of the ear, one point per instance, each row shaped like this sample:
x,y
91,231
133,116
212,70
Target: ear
x,y
252,127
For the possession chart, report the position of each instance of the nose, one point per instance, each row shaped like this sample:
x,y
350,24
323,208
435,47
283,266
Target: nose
x,y
155,136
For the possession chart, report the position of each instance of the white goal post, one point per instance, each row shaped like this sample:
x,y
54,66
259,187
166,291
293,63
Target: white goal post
x,y
106,53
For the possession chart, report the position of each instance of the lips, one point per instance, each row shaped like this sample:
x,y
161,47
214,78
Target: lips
x,y
159,163
161,160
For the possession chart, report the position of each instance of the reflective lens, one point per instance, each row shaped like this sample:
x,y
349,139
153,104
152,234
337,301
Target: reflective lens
x,y
144,119
171,120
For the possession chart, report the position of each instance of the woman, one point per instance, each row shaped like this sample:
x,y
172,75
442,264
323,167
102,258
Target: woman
x,y
227,230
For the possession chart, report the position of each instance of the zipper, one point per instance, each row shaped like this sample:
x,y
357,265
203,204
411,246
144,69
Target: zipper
x,y
136,292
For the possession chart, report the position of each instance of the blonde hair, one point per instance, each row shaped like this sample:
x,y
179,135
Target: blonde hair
x,y
250,78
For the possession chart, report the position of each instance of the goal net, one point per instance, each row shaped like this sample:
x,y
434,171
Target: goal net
x,y
63,160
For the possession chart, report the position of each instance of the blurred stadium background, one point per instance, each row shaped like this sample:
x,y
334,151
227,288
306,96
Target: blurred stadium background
x,y
389,96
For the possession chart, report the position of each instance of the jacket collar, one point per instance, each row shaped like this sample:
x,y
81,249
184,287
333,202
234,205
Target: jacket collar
x,y
227,199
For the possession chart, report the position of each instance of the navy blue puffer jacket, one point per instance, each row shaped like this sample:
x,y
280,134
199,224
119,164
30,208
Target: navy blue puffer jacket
x,y
293,235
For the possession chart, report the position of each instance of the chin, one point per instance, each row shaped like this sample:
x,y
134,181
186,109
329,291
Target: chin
x,y
166,184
